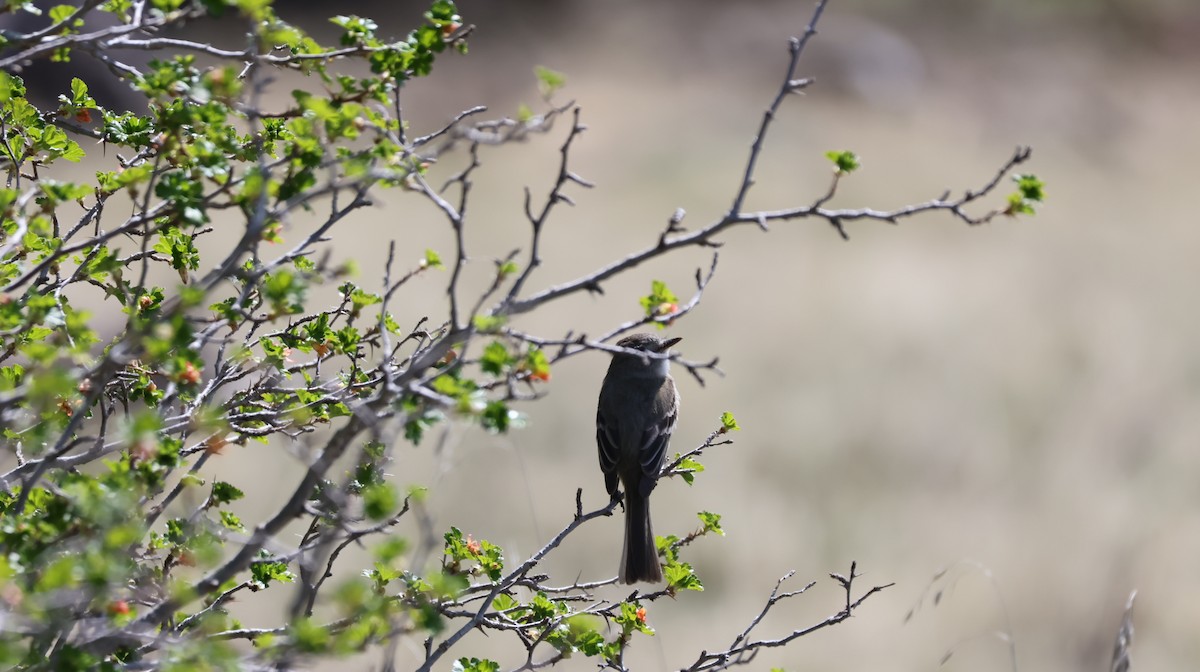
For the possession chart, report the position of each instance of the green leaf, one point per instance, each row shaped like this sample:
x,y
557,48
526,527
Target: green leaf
x,y
179,247
309,636
431,260
443,12
495,359
688,468
1017,205
475,665
660,303
498,417
223,493
488,556
360,299
232,522
1030,190
504,602
680,576
633,617
1030,187
844,162
62,192
391,548
536,364
711,522
265,572
380,501
11,87
728,423
455,545
79,94
489,324
584,634
541,607
549,80
60,13
284,292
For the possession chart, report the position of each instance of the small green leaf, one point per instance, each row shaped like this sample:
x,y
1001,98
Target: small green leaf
x,y
498,417
489,324
660,303
380,500
688,468
475,665
79,94
1018,205
495,359
223,493
633,617
504,602
680,576
232,522
267,571
1030,190
844,161
711,522
549,80
391,548
431,260
1030,187
728,423
536,364
489,556
60,13
309,636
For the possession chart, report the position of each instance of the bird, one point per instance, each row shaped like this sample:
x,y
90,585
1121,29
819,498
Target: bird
x,y
635,417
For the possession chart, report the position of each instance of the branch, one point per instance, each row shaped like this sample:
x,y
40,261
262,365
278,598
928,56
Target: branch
x,y
943,203
744,649
790,85
538,222
514,577
673,237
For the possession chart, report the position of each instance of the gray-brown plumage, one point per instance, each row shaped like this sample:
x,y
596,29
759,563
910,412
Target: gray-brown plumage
x,y
634,420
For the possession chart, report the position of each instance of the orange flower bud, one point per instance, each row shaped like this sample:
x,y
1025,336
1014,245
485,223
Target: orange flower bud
x,y
190,374
118,607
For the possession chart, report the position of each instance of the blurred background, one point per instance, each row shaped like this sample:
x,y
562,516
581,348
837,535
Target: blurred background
x,y
1019,402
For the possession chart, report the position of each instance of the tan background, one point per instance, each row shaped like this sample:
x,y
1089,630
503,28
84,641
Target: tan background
x,y
1023,397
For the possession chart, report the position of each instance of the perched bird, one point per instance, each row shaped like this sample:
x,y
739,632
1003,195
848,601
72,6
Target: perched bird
x,y
634,419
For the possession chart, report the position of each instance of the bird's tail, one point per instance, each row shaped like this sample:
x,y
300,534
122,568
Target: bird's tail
x,y
639,557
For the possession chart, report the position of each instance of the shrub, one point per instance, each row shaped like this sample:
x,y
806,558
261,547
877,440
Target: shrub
x,y
130,360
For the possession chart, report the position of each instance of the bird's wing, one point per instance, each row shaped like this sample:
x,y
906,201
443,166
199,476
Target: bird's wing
x,y
653,449
606,442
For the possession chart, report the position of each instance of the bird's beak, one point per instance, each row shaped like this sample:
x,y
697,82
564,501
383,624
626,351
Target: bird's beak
x,y
666,345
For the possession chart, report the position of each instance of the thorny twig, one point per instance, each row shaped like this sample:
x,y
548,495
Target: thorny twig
x,y
744,648
393,386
